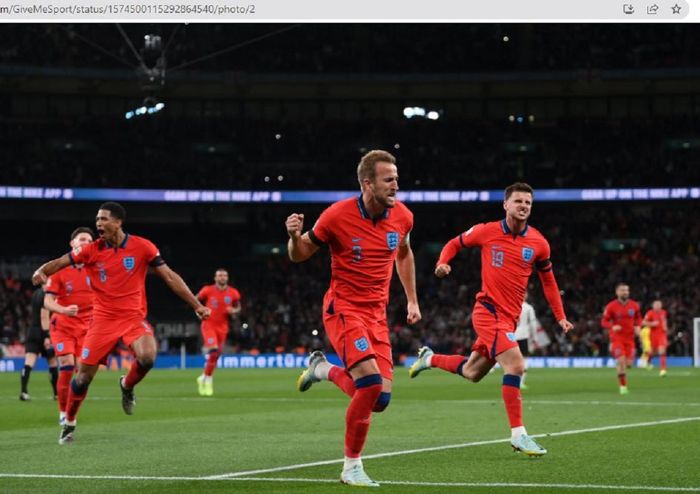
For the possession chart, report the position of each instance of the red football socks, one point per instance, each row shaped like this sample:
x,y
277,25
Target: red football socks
x,y
342,378
136,373
65,374
359,413
622,378
511,398
76,395
450,363
212,357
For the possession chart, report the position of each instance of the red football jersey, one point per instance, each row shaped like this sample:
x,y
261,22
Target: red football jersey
x,y
218,301
118,275
507,261
363,249
72,286
661,317
626,315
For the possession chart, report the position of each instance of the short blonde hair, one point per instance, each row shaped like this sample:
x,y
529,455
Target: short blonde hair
x,y
367,168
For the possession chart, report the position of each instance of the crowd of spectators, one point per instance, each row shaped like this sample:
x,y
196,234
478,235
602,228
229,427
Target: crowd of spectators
x,y
451,153
15,313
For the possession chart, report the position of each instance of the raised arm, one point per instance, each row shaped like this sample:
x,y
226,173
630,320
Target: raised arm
x,y
180,288
470,238
47,269
299,247
451,248
406,268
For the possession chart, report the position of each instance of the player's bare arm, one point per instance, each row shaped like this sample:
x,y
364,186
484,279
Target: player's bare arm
x,y
406,268
180,288
299,247
566,325
51,304
47,269
45,324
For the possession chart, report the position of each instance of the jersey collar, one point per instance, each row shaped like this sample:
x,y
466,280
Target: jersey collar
x,y
506,229
365,214
121,245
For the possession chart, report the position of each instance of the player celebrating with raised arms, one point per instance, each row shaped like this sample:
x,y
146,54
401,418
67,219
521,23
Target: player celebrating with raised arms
x,y
510,250
117,264
366,236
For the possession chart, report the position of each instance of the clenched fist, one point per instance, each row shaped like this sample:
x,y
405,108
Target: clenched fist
x,y
295,225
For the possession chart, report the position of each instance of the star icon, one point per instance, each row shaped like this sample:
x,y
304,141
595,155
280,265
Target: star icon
x,y
676,9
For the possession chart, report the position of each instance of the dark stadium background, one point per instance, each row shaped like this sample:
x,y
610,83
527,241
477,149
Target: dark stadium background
x,y
558,106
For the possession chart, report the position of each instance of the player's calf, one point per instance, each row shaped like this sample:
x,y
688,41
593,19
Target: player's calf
x,y
382,402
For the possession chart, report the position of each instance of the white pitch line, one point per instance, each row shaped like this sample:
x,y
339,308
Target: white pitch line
x,y
335,481
92,477
486,484
410,400
451,446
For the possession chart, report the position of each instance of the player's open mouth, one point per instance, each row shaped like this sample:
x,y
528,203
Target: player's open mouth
x,y
100,232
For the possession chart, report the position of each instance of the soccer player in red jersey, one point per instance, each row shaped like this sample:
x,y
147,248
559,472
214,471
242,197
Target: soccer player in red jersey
x,y
366,236
622,319
117,264
510,250
656,318
69,298
224,302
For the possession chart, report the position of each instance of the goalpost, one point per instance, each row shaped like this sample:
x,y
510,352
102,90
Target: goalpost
x,y
696,342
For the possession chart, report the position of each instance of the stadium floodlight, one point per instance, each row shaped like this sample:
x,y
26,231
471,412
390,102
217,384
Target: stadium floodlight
x,y
419,111
149,107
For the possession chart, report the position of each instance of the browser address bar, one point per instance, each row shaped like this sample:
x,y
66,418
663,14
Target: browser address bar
x,y
346,11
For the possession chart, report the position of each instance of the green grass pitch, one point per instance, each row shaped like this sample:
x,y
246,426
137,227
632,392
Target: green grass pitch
x,y
257,423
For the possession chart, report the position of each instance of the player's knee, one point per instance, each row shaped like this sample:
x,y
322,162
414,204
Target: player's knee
x,y
472,374
81,382
382,402
370,386
146,362
517,369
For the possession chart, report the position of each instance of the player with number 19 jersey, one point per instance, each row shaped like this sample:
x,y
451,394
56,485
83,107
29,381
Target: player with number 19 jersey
x,y
507,261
